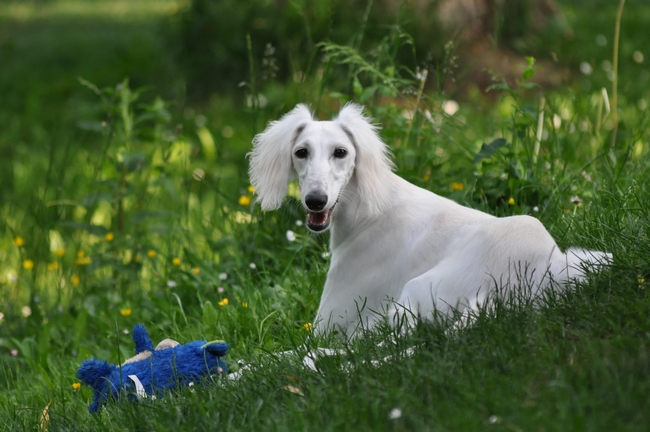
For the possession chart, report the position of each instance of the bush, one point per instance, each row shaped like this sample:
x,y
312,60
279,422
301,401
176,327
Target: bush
x,y
220,42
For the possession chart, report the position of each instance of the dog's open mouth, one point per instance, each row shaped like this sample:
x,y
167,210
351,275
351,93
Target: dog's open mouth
x,y
319,221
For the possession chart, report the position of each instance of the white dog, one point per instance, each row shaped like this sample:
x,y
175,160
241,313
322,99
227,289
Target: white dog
x,y
393,244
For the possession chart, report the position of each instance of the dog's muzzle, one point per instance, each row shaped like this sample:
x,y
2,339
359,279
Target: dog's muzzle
x,y
317,218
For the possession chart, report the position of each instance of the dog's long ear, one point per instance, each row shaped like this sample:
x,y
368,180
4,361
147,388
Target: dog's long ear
x,y
373,163
270,160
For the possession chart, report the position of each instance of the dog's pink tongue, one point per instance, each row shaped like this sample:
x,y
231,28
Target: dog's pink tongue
x,y
317,218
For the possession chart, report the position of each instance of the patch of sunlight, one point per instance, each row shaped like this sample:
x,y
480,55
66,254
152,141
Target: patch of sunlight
x,y
102,215
79,212
638,149
242,218
180,153
56,241
294,190
113,9
507,106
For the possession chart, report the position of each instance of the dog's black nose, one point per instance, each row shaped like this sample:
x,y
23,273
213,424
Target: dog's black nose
x,y
316,201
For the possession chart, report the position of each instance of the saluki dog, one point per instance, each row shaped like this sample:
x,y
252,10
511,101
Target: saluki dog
x,y
396,247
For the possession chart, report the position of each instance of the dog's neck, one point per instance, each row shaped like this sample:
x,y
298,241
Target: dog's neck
x,y
352,212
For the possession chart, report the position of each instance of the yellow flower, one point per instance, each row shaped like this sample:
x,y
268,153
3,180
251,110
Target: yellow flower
x,y
244,200
53,266
81,254
511,201
426,177
125,312
151,253
59,252
76,386
307,326
19,241
83,260
176,261
109,237
457,186
244,304
75,280
28,264
223,302
251,189
196,270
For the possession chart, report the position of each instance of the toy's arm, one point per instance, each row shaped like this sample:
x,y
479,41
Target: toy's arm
x,y
141,339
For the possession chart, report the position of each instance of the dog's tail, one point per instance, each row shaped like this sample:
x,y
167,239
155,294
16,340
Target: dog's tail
x,y
576,263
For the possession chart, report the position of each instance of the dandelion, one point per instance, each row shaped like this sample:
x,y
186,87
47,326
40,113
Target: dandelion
x,y
171,284
252,266
53,266
125,312
81,254
152,253
576,200
394,414
307,326
109,237
28,264
19,241
176,261
511,201
196,270
26,311
244,304
14,352
535,209
291,236
75,280
245,200
251,189
426,177
223,302
76,386
220,290
59,252
457,186
223,276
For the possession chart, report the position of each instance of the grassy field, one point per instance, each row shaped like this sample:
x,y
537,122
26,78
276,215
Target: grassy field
x,y
121,202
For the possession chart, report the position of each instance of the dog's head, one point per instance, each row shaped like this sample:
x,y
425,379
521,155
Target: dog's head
x,y
323,156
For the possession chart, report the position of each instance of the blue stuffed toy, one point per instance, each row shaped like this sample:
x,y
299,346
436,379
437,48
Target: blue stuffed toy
x,y
152,371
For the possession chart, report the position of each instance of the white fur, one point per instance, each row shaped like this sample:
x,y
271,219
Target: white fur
x,y
394,245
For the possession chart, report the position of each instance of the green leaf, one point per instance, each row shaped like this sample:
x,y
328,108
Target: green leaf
x,y
210,314
95,197
528,73
97,230
132,162
488,150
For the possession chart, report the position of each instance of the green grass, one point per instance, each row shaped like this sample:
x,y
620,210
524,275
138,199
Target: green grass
x,y
168,180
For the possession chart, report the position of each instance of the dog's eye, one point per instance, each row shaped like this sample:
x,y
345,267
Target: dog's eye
x,y
340,153
301,153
